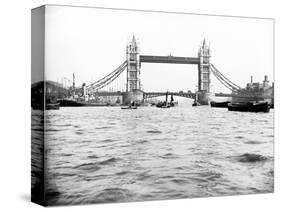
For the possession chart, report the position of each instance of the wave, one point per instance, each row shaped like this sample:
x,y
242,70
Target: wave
x,y
79,132
65,174
107,140
92,156
168,156
66,154
154,131
251,158
143,176
179,181
113,195
108,161
142,141
253,142
123,173
211,175
95,166
88,166
104,127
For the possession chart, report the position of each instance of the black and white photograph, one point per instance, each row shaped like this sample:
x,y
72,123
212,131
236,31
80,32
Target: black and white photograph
x,y
138,105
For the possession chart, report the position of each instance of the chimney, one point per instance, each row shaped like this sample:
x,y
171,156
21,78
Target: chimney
x,y
251,79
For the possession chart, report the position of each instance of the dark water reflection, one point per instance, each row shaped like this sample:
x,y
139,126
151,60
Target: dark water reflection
x,y
110,155
37,156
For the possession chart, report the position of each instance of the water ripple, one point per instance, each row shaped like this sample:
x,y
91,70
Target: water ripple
x,y
111,155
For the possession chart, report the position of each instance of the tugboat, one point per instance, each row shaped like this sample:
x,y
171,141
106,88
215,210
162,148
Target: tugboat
x,y
249,107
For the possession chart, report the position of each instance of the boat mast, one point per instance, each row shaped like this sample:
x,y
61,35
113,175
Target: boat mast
x,y
167,98
73,84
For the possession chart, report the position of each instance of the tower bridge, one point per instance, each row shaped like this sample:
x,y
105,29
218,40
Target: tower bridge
x,y
134,60
132,66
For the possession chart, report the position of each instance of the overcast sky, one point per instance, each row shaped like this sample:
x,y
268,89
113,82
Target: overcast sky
x,y
92,43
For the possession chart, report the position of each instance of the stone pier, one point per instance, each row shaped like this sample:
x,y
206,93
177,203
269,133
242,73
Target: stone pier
x,y
133,96
204,98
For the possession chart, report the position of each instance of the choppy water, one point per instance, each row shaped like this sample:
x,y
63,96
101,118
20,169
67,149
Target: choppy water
x,y
105,154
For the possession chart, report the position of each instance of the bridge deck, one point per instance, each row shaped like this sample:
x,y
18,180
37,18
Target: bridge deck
x,y
169,59
181,94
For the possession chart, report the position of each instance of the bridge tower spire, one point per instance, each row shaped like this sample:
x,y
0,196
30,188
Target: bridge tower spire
x,y
133,66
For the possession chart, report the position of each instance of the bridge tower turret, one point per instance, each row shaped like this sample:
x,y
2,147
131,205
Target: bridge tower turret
x,y
133,66
133,90
204,70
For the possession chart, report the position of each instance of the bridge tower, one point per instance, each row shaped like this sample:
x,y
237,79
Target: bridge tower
x,y
133,90
133,66
204,70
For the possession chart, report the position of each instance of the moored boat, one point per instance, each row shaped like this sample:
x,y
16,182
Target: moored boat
x,y
219,104
249,107
162,105
195,103
129,107
165,104
260,107
74,103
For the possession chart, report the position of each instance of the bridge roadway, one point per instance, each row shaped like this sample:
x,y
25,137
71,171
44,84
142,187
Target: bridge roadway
x,y
190,95
149,94
169,59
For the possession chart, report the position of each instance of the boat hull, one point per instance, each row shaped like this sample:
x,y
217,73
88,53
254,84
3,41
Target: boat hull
x,y
219,104
71,103
194,104
163,105
249,107
129,108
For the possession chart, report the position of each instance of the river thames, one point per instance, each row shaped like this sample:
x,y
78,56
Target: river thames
x,y
105,154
